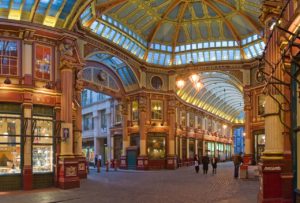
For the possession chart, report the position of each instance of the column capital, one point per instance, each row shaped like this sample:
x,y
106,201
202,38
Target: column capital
x,y
270,8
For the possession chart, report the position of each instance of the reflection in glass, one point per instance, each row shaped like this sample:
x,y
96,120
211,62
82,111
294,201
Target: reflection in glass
x,y
156,109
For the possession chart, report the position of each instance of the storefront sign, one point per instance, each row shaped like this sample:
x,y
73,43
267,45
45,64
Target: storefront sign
x,y
272,168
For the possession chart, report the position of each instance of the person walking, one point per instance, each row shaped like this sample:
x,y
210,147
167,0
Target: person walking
x,y
96,160
205,162
196,160
214,162
237,160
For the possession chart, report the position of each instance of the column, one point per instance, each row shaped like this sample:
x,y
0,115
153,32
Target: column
x,y
171,157
275,168
68,176
27,168
124,110
142,158
248,137
82,162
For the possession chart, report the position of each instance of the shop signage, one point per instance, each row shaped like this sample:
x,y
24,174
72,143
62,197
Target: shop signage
x,y
272,168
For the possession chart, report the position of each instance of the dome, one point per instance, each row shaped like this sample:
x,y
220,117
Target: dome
x,y
172,32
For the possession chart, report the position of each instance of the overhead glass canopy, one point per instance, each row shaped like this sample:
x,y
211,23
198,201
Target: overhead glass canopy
x,y
221,95
53,13
124,72
178,32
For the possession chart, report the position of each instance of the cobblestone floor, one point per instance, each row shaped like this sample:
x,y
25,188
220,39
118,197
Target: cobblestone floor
x,y
182,185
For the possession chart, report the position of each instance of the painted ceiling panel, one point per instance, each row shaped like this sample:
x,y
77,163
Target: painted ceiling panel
x,y
243,28
221,7
198,9
127,10
227,32
136,16
215,29
204,30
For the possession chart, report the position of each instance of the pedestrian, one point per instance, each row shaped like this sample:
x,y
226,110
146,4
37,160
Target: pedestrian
x,y
100,159
237,160
96,160
205,162
196,160
214,162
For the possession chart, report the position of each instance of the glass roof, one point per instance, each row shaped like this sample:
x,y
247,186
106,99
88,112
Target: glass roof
x,y
124,72
177,32
221,95
53,13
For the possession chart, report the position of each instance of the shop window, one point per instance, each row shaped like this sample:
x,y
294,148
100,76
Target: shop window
x,y
43,62
8,57
135,140
191,148
156,110
118,147
10,144
42,145
88,123
118,114
192,119
261,104
156,146
182,118
135,111
103,123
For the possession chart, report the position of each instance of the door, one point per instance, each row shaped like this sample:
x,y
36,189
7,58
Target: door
x,y
131,156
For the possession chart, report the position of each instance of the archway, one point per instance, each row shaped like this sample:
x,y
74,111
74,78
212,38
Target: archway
x,y
104,82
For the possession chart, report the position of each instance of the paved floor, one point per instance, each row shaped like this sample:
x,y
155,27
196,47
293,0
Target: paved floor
x,y
182,185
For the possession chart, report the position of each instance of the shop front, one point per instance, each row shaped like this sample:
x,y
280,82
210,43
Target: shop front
x,y
156,150
88,150
11,155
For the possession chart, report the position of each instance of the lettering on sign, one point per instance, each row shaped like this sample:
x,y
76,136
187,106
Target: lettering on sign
x,y
272,168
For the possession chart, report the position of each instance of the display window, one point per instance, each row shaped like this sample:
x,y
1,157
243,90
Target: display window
x,y
8,57
191,148
261,104
156,146
135,111
42,145
10,144
156,110
43,62
118,114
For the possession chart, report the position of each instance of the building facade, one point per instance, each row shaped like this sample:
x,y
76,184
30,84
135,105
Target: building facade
x,y
178,87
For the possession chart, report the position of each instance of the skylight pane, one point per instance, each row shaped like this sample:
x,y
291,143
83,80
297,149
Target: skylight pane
x,y
155,57
225,55
162,59
168,60
206,56
212,56
183,58
178,59
100,29
219,55
117,37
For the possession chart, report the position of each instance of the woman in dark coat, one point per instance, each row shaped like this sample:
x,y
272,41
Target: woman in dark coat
x,y
196,160
214,162
205,162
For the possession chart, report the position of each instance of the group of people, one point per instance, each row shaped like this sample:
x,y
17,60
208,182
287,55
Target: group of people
x,y
237,160
205,163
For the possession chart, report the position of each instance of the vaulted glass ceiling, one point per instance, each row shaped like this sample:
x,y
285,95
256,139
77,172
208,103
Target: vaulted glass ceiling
x,y
178,32
124,72
53,13
221,95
